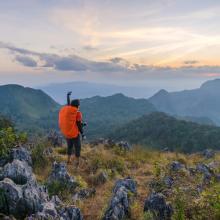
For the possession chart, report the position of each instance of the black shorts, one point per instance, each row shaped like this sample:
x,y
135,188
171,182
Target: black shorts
x,y
76,142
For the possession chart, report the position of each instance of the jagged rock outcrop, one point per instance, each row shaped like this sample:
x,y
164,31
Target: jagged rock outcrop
x,y
18,171
120,202
59,174
156,204
84,194
209,171
124,145
21,195
168,181
206,171
176,166
70,213
10,195
22,154
208,153
55,138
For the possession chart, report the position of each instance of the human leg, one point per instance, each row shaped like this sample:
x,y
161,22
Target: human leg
x,y
69,150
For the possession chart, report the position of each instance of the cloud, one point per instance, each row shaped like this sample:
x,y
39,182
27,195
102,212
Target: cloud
x,y
117,66
26,61
191,62
58,62
89,48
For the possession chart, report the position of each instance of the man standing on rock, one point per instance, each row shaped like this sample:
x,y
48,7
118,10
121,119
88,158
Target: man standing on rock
x,y
70,123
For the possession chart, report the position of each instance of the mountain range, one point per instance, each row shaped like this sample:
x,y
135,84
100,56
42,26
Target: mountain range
x,y
88,89
34,111
201,102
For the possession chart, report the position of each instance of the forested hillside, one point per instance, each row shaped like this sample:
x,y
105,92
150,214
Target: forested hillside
x,y
160,130
105,114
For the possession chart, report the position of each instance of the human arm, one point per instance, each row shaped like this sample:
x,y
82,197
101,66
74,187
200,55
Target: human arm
x,y
68,97
79,123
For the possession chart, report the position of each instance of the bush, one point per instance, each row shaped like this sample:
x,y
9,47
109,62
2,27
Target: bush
x,y
40,160
211,201
61,150
8,139
56,188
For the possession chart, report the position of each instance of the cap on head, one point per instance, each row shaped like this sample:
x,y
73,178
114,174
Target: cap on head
x,y
75,103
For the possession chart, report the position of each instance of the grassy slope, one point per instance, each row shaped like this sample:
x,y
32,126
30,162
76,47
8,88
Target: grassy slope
x,y
142,165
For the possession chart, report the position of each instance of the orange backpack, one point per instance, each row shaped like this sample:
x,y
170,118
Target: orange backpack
x,y
67,121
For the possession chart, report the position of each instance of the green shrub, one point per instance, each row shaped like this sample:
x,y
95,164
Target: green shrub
x,y
179,210
40,160
62,150
115,164
61,189
157,170
8,139
148,216
211,199
56,188
82,183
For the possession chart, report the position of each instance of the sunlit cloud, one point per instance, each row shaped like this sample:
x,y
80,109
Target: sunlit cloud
x,y
131,40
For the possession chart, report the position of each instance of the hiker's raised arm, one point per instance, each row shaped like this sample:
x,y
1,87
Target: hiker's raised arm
x,y
68,97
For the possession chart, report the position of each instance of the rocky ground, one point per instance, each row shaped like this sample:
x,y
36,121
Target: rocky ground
x,y
114,181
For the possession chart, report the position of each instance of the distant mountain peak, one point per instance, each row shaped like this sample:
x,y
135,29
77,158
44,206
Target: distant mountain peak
x,y
119,95
211,84
161,93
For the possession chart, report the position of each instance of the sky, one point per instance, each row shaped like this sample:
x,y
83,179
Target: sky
x,y
170,44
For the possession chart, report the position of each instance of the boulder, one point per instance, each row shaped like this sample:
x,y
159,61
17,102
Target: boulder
x,y
59,174
50,210
21,153
109,143
57,202
176,166
19,171
21,195
123,145
101,178
55,139
128,183
156,204
70,213
33,198
206,171
84,194
21,200
169,181
10,194
208,153
120,202
214,166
